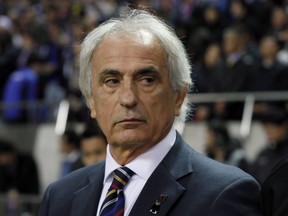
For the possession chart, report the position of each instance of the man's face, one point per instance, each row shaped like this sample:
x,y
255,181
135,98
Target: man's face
x,y
231,43
7,158
275,132
132,97
93,150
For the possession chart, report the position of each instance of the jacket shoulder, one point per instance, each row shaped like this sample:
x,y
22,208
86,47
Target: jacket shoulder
x,y
79,177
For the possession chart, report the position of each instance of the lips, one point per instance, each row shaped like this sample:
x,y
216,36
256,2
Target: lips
x,y
131,120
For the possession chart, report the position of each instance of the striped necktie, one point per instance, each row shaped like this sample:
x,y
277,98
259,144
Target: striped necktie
x,y
114,201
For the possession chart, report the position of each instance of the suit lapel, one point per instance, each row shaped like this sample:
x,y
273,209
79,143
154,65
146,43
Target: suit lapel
x,y
164,181
86,199
160,183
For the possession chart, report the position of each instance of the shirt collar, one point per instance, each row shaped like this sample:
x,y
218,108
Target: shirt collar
x,y
146,163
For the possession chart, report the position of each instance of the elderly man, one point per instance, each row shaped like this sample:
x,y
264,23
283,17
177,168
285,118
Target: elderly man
x,y
135,75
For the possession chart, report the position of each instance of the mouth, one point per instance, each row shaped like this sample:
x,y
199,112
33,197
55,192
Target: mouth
x,y
131,120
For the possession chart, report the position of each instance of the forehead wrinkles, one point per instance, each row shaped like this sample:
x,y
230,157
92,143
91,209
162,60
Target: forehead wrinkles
x,y
141,36
143,44
111,55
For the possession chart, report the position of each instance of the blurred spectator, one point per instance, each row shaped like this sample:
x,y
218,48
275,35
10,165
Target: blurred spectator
x,y
55,29
233,74
22,86
276,129
202,77
28,44
71,55
167,9
236,70
207,67
100,10
222,147
279,25
78,111
186,9
8,51
49,46
69,146
18,171
270,68
93,145
213,22
279,29
205,27
269,73
243,15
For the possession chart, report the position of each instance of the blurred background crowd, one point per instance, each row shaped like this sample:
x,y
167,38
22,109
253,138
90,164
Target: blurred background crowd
x,y
235,46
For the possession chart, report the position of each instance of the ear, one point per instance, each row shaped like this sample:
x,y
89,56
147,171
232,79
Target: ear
x,y
179,99
91,106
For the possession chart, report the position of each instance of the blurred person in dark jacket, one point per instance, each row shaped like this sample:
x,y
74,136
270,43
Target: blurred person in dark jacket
x,y
241,13
238,63
279,24
269,74
221,146
22,86
276,129
212,21
69,147
203,78
8,51
269,68
233,74
93,144
18,171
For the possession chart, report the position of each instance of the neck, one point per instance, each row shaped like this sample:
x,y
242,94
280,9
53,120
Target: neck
x,y
125,155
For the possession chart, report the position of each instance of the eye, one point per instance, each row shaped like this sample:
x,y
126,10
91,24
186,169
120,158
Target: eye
x,y
111,82
149,80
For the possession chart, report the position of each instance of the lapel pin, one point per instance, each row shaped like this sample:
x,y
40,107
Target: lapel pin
x,y
156,206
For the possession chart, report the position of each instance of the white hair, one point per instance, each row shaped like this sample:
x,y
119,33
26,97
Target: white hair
x,y
135,20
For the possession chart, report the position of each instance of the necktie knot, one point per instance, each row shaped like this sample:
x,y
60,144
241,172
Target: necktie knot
x,y
121,177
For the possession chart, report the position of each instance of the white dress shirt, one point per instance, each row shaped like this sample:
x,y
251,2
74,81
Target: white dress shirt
x,y
143,166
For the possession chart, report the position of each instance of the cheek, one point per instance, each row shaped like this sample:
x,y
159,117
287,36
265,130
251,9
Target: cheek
x,y
160,107
103,107
106,116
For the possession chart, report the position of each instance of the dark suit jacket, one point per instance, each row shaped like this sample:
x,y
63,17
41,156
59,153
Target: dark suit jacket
x,y
21,175
194,185
275,191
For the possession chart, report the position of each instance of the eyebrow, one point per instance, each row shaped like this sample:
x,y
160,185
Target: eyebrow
x,y
107,72
141,71
147,70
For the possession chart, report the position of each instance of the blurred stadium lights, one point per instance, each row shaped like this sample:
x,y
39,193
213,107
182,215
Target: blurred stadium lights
x,y
247,116
62,117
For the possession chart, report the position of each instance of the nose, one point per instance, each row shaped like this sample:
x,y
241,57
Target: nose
x,y
128,95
